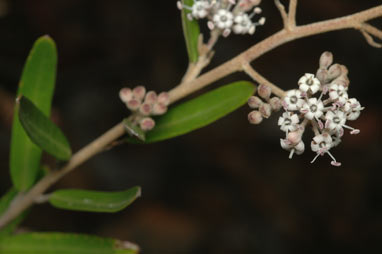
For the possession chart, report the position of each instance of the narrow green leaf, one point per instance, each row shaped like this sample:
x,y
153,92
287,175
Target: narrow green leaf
x,y
42,131
133,130
201,111
5,202
94,201
37,83
62,243
191,33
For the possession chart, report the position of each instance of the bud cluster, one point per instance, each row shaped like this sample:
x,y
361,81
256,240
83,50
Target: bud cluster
x,y
263,108
226,15
144,104
322,101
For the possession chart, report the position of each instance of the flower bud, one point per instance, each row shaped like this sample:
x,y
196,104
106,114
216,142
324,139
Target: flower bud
x,y
246,5
265,110
125,94
344,70
322,76
145,109
147,124
254,102
294,137
326,60
255,117
164,98
139,92
133,104
264,91
275,103
151,97
159,108
334,71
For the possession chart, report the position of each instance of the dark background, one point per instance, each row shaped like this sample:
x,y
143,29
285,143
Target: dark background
x,y
227,188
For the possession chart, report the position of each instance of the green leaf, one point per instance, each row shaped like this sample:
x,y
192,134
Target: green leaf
x,y
62,243
42,131
201,111
94,201
37,83
133,130
5,201
191,33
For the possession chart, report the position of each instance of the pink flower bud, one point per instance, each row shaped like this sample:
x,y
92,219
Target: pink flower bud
x,y
275,103
322,76
265,110
326,60
254,102
264,91
139,92
334,71
145,109
133,104
255,117
147,124
294,137
151,97
164,98
159,108
125,94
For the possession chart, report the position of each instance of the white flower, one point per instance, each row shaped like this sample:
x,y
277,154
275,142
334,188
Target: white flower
x,y
200,9
352,108
321,144
288,122
338,93
293,148
293,100
308,83
223,19
243,24
313,109
335,120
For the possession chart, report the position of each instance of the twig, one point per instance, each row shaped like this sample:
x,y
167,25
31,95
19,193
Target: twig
x,y
77,159
292,14
279,38
261,80
283,13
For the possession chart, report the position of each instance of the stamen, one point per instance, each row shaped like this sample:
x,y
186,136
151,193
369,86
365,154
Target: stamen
x,y
291,154
334,162
314,159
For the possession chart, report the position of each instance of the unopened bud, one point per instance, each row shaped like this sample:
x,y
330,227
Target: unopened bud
x,y
344,70
342,81
255,117
145,109
246,5
334,71
159,108
164,98
151,97
275,103
125,94
294,137
326,60
322,76
264,91
265,110
254,102
133,104
139,92
147,124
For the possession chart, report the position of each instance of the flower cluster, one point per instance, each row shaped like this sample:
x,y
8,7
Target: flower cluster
x,y
322,101
144,104
263,108
226,15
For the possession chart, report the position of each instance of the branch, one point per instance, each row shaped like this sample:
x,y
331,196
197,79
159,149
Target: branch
x,y
283,13
368,31
351,21
289,19
25,201
261,80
